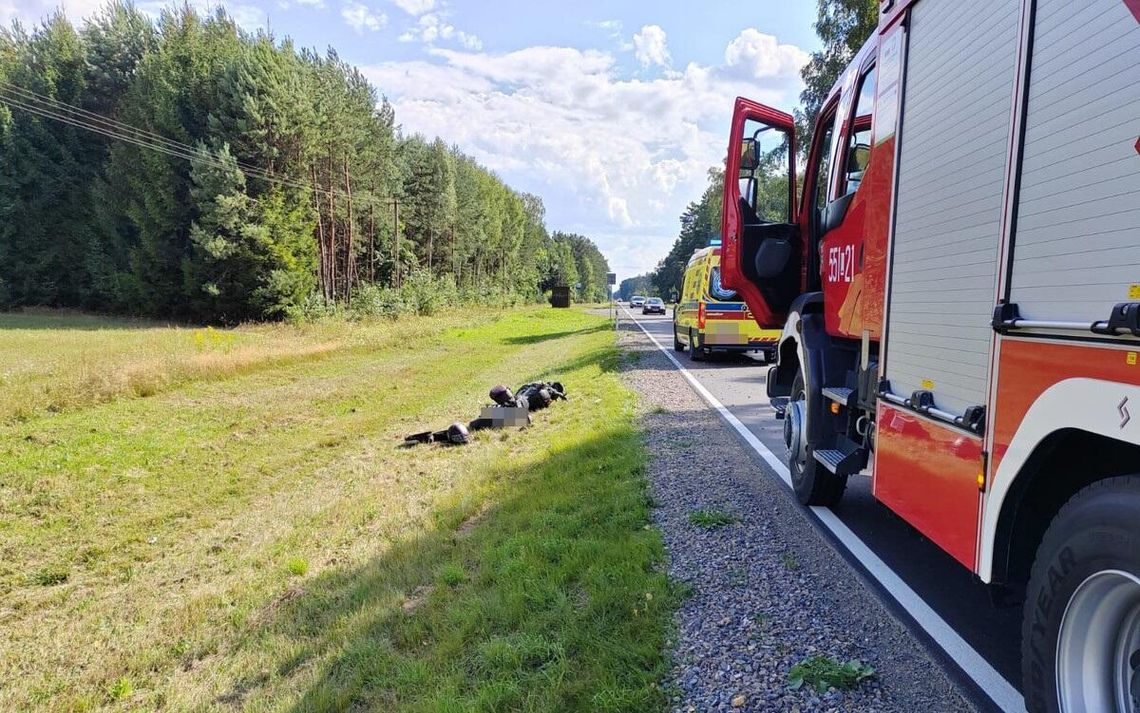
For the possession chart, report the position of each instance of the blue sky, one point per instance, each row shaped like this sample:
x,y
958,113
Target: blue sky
x,y
611,112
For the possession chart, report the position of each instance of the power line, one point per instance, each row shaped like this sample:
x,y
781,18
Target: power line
x,y
82,118
54,109
99,120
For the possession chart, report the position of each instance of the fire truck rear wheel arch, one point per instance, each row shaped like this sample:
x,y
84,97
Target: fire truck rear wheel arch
x,y
1092,539
1071,435
1061,465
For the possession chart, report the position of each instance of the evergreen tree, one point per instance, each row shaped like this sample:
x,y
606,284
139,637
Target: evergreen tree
x,y
241,176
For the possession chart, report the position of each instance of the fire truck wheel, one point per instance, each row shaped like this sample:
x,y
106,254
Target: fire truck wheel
x,y
678,345
814,484
1080,633
695,349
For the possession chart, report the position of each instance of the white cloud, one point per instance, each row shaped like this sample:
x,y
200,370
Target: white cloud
x,y
613,30
651,48
431,28
468,41
248,17
415,7
614,157
286,4
30,12
759,55
619,212
360,17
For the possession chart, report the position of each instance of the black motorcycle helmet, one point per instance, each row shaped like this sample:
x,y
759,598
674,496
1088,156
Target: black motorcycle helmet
x,y
457,434
502,395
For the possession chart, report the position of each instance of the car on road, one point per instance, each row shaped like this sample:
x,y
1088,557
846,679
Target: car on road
x,y
711,317
653,305
637,301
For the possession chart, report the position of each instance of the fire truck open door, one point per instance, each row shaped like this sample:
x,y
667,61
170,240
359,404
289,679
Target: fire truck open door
x,y
762,256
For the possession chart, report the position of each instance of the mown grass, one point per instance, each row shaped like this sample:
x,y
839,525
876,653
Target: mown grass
x,y
52,362
252,537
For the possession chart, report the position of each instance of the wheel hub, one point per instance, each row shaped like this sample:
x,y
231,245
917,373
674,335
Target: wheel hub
x,y
794,432
1098,648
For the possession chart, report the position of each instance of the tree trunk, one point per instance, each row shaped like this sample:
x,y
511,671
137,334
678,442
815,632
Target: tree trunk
x,y
350,244
332,230
321,256
396,243
372,235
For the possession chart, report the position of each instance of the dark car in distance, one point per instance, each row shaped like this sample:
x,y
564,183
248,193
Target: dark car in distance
x,y
653,305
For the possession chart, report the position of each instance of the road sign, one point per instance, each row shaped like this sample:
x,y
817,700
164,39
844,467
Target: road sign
x,y
611,278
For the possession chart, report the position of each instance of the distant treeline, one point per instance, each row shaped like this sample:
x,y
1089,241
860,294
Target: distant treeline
x,y
188,169
640,285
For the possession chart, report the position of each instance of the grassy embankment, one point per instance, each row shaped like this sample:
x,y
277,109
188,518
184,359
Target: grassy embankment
x,y
200,519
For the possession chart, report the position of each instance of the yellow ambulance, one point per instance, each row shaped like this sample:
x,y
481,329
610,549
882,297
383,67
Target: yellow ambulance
x,y
710,317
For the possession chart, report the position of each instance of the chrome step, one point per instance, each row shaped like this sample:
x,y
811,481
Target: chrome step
x,y
780,404
830,458
838,394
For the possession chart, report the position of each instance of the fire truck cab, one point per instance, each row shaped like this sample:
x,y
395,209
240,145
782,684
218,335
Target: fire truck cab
x,y
958,285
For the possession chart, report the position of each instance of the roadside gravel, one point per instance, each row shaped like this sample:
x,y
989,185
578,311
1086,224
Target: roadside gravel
x,y
767,590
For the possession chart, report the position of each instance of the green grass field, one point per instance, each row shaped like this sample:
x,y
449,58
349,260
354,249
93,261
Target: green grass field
x,y
204,519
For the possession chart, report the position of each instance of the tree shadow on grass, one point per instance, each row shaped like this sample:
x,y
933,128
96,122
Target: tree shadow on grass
x,y
605,358
548,594
37,319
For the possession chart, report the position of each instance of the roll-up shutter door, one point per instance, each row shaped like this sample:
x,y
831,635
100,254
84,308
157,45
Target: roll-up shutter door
x,y
1076,250
961,65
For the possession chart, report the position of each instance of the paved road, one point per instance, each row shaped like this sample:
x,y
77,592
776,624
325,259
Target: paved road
x,y
950,589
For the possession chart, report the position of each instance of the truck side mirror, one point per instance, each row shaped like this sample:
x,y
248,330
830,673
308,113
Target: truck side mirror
x,y
749,155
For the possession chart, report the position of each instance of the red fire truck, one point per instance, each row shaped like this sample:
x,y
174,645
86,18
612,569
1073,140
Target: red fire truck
x,y
958,285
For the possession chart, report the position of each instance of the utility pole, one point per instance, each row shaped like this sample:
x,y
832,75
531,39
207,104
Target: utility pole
x,y
372,235
395,241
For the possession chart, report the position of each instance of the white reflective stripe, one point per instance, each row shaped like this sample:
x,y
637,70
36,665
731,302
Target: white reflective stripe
x,y
1091,405
992,683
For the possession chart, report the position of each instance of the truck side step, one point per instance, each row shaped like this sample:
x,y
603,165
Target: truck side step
x,y
830,458
780,403
839,462
839,394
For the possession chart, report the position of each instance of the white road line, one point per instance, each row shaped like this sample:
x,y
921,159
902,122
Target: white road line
x,y
1001,691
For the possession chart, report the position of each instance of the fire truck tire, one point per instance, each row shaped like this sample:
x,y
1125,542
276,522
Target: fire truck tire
x,y
678,345
1080,634
695,348
814,484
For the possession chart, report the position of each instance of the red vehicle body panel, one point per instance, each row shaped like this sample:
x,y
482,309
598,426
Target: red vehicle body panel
x,y
878,184
928,474
1134,6
1028,368
853,255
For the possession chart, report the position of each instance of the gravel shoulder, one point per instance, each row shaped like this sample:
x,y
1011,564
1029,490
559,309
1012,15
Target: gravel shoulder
x,y
768,590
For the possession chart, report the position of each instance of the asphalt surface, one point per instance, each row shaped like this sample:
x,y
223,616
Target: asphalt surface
x,y
737,381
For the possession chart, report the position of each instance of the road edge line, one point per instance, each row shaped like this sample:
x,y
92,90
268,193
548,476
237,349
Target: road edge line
x,y
972,664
